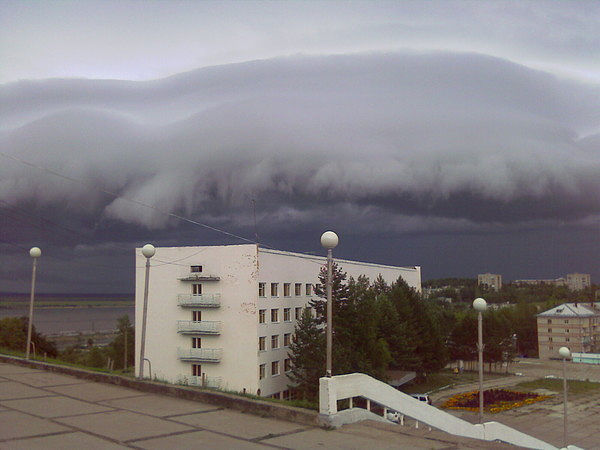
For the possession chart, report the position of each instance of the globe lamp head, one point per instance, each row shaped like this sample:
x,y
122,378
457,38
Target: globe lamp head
x,y
329,240
35,252
479,304
564,352
148,250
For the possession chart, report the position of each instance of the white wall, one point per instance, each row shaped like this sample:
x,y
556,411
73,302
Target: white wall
x,y
236,265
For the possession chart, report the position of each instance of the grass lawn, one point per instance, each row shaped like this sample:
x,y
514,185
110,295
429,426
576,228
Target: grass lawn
x,y
556,385
445,378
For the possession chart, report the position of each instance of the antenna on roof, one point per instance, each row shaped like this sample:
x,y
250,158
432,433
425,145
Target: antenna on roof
x,y
255,229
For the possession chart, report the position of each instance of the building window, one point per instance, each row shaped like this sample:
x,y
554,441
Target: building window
x,y
318,287
298,313
261,289
286,289
566,331
549,330
195,269
274,315
566,320
275,368
286,339
298,289
274,287
196,370
196,289
549,320
287,315
308,289
568,339
262,346
196,342
196,316
261,371
261,315
550,339
286,394
287,364
275,341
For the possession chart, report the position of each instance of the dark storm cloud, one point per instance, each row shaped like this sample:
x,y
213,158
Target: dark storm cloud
x,y
459,140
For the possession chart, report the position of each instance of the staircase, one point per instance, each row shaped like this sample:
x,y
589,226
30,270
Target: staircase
x,y
342,387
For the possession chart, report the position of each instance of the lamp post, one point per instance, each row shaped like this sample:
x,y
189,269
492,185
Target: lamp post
x,y
480,306
329,240
564,352
35,253
148,251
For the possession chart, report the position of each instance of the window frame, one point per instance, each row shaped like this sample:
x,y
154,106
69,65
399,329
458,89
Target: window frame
x,y
275,365
274,289
262,343
274,341
262,289
275,314
262,316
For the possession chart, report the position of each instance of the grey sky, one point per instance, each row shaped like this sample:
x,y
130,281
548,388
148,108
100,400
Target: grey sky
x,y
455,130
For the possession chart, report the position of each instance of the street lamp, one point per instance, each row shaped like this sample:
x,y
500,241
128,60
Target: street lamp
x,y
148,251
565,353
329,240
35,253
480,306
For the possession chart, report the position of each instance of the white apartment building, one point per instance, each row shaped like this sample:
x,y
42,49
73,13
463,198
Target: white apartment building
x,y
578,281
223,316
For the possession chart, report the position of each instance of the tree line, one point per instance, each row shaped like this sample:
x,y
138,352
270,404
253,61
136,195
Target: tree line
x,y
379,327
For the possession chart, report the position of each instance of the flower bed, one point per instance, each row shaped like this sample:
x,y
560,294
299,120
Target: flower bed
x,y
494,400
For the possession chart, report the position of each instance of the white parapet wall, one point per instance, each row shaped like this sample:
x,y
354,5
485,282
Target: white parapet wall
x,y
352,385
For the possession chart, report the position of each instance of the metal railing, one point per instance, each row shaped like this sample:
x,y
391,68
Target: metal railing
x,y
202,327
203,300
200,354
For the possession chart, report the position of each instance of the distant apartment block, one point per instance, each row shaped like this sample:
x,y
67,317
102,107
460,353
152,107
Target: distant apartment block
x,y
491,280
574,281
578,281
573,325
224,316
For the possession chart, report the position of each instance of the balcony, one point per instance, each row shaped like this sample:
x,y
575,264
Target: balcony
x,y
202,327
204,381
199,301
199,277
200,354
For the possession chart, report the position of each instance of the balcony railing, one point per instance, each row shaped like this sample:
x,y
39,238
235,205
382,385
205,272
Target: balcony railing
x,y
202,327
200,354
205,381
202,301
199,277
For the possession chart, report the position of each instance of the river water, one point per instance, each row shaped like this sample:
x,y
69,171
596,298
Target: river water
x,y
73,319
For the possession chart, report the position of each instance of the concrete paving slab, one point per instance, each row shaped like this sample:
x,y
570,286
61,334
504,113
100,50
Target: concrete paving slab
x,y
123,425
239,424
159,406
318,438
94,392
195,440
41,379
13,390
11,368
54,406
63,441
15,424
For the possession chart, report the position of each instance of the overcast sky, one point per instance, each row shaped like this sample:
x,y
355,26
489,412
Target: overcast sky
x,y
463,137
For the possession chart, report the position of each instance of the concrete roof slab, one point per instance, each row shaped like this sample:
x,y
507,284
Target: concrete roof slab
x,y
123,425
54,406
94,392
15,424
239,424
62,441
13,390
159,405
11,368
41,379
197,439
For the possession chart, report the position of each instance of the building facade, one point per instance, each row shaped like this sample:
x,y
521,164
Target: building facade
x,y
578,281
223,316
491,280
572,325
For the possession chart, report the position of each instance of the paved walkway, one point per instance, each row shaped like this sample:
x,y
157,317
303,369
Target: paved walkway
x,y
45,410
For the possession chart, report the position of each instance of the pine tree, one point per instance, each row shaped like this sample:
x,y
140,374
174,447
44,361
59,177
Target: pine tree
x,y
307,355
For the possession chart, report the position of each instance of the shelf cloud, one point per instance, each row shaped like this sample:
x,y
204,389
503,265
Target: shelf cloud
x,y
437,137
